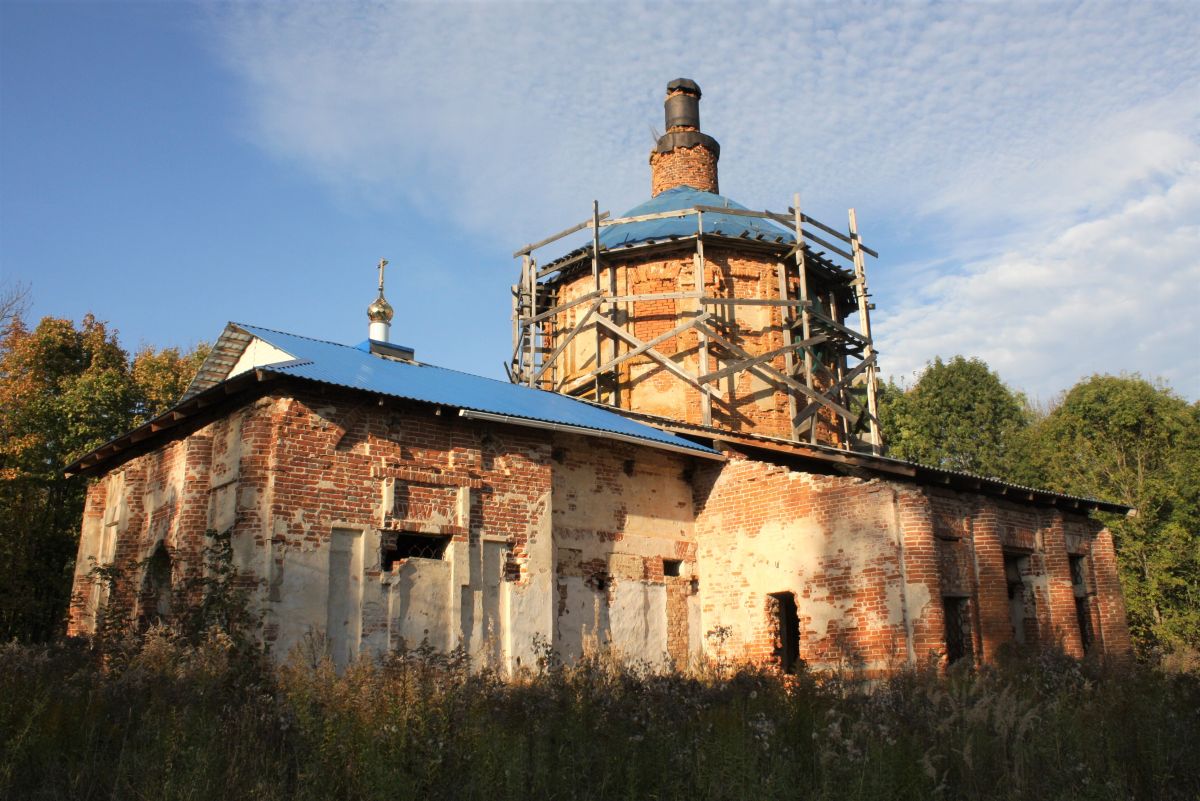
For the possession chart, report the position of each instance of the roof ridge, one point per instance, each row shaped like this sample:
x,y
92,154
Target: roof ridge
x,y
290,334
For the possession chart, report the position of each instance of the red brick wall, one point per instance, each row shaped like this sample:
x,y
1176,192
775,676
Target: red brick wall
x,y
763,529
300,472
870,549
684,166
868,561
974,533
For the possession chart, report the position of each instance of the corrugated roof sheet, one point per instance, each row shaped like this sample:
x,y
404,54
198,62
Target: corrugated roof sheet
x,y
685,197
347,366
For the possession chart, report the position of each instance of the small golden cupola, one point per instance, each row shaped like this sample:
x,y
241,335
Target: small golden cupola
x,y
380,313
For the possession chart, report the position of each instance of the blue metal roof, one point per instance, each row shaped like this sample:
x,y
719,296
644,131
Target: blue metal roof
x,y
685,197
346,366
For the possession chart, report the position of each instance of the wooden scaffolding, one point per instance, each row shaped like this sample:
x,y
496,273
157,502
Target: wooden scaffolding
x,y
840,377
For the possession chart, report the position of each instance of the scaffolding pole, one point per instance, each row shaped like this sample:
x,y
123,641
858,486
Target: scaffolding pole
x,y
864,324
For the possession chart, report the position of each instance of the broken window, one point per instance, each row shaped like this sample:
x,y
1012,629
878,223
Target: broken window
x,y
407,545
1078,575
787,630
1083,606
1016,566
959,644
154,600
672,567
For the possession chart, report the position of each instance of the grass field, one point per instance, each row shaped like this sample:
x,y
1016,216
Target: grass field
x,y
157,717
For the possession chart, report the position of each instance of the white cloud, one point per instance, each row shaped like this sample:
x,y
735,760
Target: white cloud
x,y
985,135
1115,293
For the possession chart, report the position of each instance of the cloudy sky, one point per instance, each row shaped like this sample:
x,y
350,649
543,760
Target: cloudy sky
x,y
1030,173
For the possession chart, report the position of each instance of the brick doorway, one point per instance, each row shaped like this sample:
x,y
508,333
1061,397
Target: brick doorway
x,y
786,623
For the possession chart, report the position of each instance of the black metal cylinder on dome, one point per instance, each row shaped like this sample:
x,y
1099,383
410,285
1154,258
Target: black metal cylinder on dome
x,y
682,106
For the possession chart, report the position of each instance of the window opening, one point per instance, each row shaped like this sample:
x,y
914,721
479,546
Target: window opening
x,y
787,631
1078,580
1083,607
406,545
1015,568
672,567
958,628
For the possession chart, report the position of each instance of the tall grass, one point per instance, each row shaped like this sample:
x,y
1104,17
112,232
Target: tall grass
x,y
168,717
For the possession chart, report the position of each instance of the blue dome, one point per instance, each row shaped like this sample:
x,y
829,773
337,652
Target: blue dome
x,y
685,197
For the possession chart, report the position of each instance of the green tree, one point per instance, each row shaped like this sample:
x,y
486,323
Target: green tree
x,y
959,415
160,378
63,391
1124,439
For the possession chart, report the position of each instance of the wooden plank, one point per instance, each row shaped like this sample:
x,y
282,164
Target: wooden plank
x,y
849,240
516,335
839,364
806,309
843,382
614,345
820,254
750,302
766,215
559,266
564,306
864,316
518,348
789,359
849,332
814,238
745,364
583,321
652,296
522,286
698,270
770,374
638,351
848,377
525,251
530,331
596,280
649,350
659,215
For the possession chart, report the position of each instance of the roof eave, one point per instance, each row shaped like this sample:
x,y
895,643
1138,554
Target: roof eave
x,y
177,416
580,258
889,467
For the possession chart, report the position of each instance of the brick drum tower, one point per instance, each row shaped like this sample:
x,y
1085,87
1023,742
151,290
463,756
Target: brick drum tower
x,y
692,308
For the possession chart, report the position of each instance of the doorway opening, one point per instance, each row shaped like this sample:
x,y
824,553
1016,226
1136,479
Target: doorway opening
x,y
787,630
959,644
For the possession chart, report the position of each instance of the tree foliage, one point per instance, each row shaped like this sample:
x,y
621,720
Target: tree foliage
x,y
1124,439
960,416
64,389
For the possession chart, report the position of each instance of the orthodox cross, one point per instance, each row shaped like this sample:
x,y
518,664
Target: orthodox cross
x,y
382,263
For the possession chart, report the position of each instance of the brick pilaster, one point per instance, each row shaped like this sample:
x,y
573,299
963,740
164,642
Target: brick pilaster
x,y
992,614
1064,624
1112,627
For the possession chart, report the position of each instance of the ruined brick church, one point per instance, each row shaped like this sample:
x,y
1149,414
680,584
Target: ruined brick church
x,y
686,458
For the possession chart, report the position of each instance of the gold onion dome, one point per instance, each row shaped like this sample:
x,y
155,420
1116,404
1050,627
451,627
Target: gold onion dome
x,y
380,311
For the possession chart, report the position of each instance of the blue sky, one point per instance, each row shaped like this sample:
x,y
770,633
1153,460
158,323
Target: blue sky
x,y
1030,173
